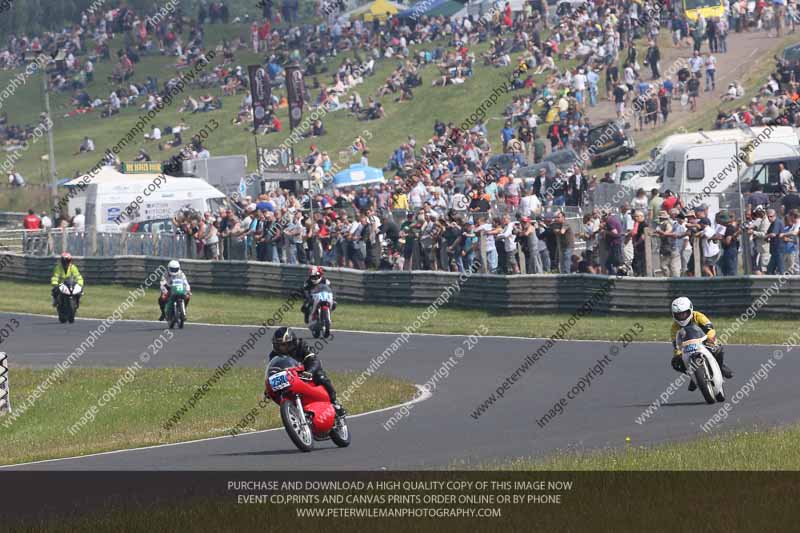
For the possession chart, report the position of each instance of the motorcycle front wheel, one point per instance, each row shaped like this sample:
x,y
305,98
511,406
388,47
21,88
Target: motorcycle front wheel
x,y
299,433
340,434
326,321
702,381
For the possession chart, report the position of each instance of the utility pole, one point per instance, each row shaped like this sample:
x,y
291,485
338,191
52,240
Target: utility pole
x,y
51,156
35,57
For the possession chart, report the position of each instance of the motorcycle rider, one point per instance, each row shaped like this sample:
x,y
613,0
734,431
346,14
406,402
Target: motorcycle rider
x,y
64,269
285,342
684,314
173,272
316,276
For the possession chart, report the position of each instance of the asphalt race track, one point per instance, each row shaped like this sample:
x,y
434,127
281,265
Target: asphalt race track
x,y
439,431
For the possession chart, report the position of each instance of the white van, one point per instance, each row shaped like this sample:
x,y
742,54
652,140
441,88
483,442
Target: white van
x,y
701,173
113,200
779,134
635,176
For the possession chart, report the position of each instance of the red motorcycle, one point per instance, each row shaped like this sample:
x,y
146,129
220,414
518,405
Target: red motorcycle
x,y
306,409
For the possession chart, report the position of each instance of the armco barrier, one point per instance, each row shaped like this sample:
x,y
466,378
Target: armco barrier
x,y
517,294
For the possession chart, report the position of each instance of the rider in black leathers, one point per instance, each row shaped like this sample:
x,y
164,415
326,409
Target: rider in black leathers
x,y
285,342
316,277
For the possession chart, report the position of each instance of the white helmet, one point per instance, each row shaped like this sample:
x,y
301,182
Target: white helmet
x,y
682,310
174,267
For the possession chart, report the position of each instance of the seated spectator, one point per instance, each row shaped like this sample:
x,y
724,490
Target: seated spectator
x,y
86,146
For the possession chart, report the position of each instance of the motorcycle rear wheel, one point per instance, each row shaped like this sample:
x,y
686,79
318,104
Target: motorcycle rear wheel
x,y
301,435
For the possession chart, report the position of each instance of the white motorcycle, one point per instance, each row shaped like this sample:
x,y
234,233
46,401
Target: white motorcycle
x,y
320,322
700,364
67,303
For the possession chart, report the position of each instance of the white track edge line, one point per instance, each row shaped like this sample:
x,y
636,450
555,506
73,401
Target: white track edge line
x,y
423,394
369,332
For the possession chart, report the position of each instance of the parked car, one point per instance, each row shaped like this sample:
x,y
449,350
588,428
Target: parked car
x,y
504,162
564,159
530,172
609,142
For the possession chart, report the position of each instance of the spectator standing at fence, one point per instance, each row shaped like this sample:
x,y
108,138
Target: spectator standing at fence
x,y
709,242
590,233
212,238
791,229
487,231
775,265
273,233
47,223
566,242
529,244
79,220
665,244
728,261
638,242
529,204
614,235
640,201
409,233
31,221
508,237
758,228
653,204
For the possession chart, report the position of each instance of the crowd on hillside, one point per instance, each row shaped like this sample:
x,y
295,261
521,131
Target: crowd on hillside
x,y
775,103
449,193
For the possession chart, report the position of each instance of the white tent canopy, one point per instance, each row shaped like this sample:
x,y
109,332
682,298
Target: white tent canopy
x,y
116,197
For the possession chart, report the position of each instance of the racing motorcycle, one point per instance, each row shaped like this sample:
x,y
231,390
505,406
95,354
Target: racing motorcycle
x,y
67,304
306,409
322,303
700,364
176,304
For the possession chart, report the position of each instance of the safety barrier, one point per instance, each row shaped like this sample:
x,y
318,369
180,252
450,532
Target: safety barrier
x,y
5,390
516,294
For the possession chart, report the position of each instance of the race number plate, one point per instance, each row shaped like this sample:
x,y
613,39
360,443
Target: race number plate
x,y
691,348
323,296
279,381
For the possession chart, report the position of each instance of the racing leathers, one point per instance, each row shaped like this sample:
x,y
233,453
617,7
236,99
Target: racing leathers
x,y
704,323
302,354
166,285
308,289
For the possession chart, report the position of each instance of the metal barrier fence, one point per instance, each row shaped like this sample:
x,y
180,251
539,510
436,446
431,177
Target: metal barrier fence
x,y
522,294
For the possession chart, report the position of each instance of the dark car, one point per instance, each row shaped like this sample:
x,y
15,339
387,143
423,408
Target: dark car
x,y
609,142
791,53
532,171
504,162
564,159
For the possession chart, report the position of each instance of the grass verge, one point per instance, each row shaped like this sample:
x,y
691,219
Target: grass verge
x,y
228,308
135,417
756,450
